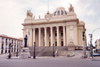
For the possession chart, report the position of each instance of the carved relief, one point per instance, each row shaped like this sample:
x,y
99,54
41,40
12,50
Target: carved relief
x,y
48,16
70,42
71,27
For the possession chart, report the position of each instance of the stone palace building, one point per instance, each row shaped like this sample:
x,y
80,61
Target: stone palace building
x,y
61,28
5,42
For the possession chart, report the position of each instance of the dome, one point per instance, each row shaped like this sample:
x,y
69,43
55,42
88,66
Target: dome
x,y
60,11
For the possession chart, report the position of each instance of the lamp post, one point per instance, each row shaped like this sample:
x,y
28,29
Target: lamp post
x,y
91,46
9,56
84,46
53,51
34,57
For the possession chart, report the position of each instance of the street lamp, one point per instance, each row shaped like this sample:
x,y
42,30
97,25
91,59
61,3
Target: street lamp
x,y
34,57
91,46
84,47
53,51
9,56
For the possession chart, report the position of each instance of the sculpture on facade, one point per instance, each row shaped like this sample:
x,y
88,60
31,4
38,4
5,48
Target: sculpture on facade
x,y
29,13
71,45
71,42
25,40
48,16
71,8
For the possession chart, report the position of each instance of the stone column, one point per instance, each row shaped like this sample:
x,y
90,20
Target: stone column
x,y
13,46
45,29
42,37
58,43
4,45
7,45
51,28
16,45
64,40
0,44
33,36
39,36
67,34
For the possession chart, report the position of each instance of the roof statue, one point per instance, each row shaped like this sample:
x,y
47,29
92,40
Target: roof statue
x,y
29,13
48,16
71,8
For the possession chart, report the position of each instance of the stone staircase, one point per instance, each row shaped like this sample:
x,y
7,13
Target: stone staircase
x,y
46,51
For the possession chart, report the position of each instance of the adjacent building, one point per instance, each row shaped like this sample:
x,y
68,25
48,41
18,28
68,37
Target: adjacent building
x,y
61,28
97,42
5,42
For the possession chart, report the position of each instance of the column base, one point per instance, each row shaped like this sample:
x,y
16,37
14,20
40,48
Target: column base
x,y
71,48
25,53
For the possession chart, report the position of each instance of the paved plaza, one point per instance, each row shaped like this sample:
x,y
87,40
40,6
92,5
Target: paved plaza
x,y
48,62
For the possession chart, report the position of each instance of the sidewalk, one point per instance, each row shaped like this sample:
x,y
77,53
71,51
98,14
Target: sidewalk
x,y
3,55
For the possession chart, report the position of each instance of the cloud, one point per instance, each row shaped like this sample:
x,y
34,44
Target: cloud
x,y
91,12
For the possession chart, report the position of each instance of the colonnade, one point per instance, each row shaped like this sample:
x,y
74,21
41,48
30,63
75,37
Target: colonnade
x,y
5,42
48,36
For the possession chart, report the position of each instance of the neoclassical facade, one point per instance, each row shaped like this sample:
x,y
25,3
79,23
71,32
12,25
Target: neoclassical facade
x,y
5,42
61,28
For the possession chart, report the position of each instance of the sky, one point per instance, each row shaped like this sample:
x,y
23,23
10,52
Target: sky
x,y
13,13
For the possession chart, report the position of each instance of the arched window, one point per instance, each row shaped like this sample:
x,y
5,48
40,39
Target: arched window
x,y
55,13
61,12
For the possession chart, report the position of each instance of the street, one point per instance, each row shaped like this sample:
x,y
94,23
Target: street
x,y
48,62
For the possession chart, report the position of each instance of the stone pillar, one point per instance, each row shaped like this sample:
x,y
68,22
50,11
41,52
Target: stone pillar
x,y
39,36
0,44
54,36
64,37
7,45
51,28
30,38
42,37
67,35
45,29
58,43
16,45
33,35
48,36
13,46
4,40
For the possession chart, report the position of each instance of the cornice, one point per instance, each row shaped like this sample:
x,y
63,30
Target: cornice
x,y
51,22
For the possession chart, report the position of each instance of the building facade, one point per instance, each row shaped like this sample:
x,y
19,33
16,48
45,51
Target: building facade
x,y
61,28
97,42
5,42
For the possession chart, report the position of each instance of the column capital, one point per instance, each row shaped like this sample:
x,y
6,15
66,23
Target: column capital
x,y
33,28
51,26
45,27
57,26
63,26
